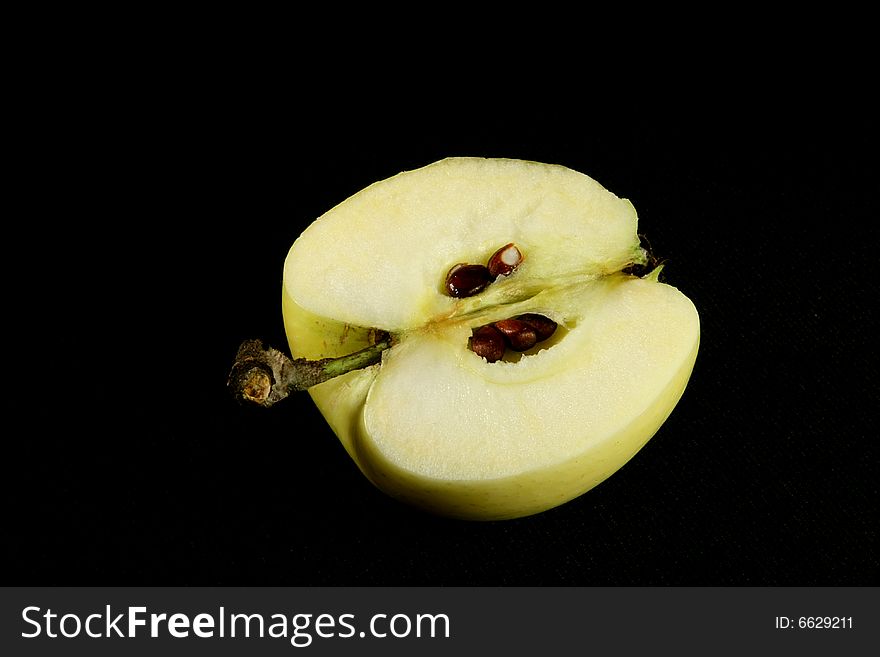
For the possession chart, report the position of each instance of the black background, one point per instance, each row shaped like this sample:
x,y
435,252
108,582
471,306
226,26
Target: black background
x,y
161,248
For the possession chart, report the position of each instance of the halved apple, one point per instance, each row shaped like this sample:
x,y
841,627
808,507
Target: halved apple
x,y
438,426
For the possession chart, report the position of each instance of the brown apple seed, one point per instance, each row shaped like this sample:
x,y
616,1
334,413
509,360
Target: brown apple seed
x,y
467,280
488,342
504,260
544,326
520,336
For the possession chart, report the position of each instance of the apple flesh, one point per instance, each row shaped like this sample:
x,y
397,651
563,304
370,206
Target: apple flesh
x,y
436,425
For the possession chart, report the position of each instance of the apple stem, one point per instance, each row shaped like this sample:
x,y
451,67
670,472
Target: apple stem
x,y
264,376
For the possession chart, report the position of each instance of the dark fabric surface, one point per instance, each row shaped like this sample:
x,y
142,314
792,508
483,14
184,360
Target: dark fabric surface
x,y
139,468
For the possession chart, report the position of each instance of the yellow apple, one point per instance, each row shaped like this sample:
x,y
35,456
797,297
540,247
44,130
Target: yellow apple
x,y
436,425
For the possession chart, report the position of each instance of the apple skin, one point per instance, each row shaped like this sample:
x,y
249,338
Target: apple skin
x,y
346,403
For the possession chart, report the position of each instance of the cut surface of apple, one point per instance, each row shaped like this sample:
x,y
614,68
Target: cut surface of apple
x,y
436,425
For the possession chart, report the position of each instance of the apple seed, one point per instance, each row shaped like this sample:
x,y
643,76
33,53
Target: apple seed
x,y
520,336
488,342
544,326
467,280
504,260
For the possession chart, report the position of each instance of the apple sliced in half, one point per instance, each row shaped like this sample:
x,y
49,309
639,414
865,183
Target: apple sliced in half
x,y
435,424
